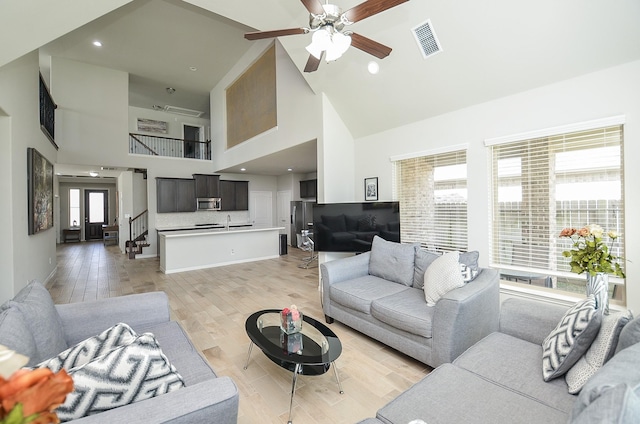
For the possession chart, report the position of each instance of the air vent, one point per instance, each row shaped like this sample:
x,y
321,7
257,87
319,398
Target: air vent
x,y
426,39
182,111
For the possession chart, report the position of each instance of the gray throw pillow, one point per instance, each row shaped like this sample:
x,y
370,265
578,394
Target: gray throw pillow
x,y
570,339
16,335
392,261
629,335
470,259
42,319
423,259
600,351
612,395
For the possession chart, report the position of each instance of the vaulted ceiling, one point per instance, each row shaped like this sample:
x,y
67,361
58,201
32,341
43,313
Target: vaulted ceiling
x,y
489,50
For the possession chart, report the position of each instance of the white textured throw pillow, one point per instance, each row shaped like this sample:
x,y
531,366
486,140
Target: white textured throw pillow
x,y
601,351
442,276
570,339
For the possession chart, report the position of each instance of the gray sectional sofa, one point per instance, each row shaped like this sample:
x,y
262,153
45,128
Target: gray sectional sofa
x,y
379,294
32,325
500,380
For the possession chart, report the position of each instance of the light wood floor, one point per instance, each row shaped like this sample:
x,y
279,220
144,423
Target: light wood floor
x,y
212,306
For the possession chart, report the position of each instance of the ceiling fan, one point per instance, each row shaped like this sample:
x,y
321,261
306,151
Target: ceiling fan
x,y
327,22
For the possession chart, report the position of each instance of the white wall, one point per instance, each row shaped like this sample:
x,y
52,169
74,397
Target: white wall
x,y
336,157
298,112
610,92
24,257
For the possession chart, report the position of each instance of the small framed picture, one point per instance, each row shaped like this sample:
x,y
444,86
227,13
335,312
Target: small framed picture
x,y
371,188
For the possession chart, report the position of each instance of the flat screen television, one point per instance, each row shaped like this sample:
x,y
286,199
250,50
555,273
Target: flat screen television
x,y
350,227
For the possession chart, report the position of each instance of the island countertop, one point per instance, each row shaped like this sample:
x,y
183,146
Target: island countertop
x,y
198,248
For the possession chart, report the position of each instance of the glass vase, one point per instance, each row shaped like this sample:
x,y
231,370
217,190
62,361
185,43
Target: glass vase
x,y
290,325
598,285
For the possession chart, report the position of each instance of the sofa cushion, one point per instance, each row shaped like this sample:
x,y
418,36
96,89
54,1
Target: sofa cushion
x,y
442,276
342,237
126,375
358,293
89,349
16,335
612,394
514,363
629,335
570,339
367,223
406,311
450,394
600,351
392,261
182,354
335,223
41,316
423,259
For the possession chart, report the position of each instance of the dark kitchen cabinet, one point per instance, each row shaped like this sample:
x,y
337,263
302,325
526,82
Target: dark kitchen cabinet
x,y
308,189
207,185
175,195
234,195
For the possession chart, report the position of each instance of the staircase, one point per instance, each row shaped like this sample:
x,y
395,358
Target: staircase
x,y
138,231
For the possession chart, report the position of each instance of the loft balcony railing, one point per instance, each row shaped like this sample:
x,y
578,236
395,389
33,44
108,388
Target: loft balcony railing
x,y
143,144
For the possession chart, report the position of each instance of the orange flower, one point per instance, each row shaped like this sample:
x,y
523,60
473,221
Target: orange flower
x,y
568,232
39,390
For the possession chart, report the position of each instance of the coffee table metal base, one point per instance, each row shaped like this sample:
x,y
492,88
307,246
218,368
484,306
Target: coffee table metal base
x,y
298,370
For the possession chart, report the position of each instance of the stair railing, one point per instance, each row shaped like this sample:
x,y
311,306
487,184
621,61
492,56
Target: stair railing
x,y
138,229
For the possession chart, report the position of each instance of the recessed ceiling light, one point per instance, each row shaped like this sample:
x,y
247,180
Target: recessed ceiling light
x,y
97,43
243,169
373,67
170,90
289,169
193,68
93,174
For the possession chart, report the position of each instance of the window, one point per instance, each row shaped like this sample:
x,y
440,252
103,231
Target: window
x,y
544,184
432,191
74,207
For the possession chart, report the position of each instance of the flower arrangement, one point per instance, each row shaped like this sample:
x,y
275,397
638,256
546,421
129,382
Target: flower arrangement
x,y
30,396
291,320
590,253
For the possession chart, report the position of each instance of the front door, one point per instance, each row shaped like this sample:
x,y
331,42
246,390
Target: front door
x,y
96,213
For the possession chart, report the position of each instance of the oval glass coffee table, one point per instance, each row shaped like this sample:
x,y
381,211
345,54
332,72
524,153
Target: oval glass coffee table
x,y
311,351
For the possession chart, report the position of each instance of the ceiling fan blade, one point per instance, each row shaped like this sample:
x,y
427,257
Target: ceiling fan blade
x,y
313,6
258,35
370,8
369,46
313,63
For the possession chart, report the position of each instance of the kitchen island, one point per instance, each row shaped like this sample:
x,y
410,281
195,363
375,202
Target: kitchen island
x,y
186,250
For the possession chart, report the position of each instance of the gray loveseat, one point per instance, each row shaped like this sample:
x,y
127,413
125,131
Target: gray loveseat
x,y
499,380
32,325
379,294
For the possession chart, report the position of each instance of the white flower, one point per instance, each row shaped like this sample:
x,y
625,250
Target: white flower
x,y
596,230
613,234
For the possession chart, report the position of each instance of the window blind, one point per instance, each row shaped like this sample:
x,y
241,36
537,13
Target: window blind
x,y
432,191
542,185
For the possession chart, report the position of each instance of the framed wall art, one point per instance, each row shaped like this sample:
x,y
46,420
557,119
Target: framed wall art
x,y
150,125
40,192
371,188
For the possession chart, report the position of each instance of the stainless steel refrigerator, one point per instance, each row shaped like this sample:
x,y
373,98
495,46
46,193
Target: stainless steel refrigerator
x,y
301,219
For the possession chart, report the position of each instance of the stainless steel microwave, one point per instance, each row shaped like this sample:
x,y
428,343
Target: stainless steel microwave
x,y
208,203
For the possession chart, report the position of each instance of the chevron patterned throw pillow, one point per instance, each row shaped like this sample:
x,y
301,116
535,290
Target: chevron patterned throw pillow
x,y
570,339
127,374
87,350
